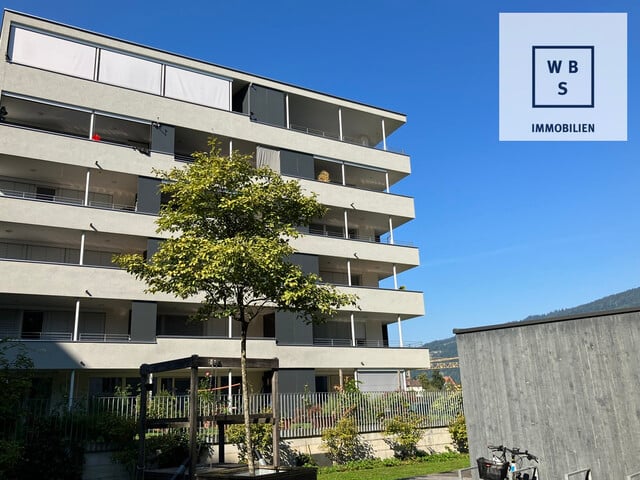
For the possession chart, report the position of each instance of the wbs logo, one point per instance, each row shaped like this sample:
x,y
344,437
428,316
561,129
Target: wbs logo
x,y
562,77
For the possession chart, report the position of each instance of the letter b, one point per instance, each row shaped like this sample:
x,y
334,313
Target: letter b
x,y
573,66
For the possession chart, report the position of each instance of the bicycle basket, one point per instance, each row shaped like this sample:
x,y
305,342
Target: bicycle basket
x,y
491,471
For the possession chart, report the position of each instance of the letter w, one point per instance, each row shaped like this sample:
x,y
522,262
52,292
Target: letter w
x,y
554,66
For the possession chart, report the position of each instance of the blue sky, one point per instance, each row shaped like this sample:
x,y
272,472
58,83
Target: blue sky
x,y
505,229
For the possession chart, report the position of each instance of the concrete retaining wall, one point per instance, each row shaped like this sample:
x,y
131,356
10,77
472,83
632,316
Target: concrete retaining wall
x,y
98,466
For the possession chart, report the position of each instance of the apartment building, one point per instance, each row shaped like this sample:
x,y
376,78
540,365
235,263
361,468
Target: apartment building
x,y
85,119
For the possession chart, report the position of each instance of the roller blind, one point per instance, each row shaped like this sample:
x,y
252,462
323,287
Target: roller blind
x,y
52,53
130,72
265,157
197,88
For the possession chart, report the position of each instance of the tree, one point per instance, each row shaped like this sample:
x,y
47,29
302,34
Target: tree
x,y
434,383
16,369
229,226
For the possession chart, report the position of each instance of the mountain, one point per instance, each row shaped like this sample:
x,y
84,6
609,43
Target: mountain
x,y
447,347
627,299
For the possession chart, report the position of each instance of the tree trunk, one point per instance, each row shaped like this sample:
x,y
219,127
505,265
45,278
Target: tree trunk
x,y
245,397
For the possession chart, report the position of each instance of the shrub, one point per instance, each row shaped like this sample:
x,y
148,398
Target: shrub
x,y
403,434
343,444
458,431
261,436
48,448
10,457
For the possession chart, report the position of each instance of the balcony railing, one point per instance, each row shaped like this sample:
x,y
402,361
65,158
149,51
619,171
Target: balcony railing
x,y
361,342
64,200
48,336
104,337
67,336
313,131
383,239
56,255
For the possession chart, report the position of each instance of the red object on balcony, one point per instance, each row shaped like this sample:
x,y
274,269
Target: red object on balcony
x,y
96,137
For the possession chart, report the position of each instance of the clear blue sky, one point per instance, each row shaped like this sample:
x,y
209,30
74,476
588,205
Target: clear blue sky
x,y
505,229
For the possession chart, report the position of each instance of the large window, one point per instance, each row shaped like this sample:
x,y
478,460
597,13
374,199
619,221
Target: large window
x,y
122,131
45,116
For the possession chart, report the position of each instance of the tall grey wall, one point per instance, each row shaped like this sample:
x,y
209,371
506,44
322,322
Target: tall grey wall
x,y
568,390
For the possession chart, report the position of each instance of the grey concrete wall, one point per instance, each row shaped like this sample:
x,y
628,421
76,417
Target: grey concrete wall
x,y
567,390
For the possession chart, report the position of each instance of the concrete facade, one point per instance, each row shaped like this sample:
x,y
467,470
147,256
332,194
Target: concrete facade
x,y
567,389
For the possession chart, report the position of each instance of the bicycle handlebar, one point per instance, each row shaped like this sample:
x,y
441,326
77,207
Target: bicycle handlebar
x,y
513,451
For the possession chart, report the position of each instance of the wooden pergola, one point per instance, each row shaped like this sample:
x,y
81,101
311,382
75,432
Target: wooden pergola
x,y
194,363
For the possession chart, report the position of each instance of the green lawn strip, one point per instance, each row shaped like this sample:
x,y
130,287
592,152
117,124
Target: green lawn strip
x,y
393,470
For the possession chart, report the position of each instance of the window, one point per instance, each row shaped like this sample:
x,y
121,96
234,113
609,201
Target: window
x,y
46,116
108,128
32,324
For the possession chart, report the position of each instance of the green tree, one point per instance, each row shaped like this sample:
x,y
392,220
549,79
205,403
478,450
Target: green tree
x,y
229,226
343,443
16,369
403,433
435,382
458,431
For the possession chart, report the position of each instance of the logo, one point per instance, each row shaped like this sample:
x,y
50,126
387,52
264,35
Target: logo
x,y
563,76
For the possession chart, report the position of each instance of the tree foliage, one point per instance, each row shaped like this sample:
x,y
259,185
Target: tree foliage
x,y
432,383
16,369
343,444
458,431
403,433
229,226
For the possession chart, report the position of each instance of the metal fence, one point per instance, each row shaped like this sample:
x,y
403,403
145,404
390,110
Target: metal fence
x,y
304,414
301,414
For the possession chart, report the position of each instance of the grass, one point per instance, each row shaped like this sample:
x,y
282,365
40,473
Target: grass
x,y
392,469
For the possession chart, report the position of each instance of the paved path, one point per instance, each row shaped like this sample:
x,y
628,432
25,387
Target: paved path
x,y
439,476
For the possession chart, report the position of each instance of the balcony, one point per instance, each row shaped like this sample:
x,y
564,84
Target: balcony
x,y
34,244
45,181
313,114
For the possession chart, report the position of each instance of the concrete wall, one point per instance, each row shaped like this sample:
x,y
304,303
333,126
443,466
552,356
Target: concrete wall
x,y
98,466
568,390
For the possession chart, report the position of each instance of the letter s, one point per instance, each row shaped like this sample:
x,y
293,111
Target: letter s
x,y
562,88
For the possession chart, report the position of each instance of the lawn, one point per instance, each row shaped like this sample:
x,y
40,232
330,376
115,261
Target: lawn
x,y
393,470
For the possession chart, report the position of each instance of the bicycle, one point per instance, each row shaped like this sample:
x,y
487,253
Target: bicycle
x,y
499,468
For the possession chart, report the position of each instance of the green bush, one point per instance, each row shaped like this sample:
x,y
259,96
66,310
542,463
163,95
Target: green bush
x,y
261,436
458,431
49,448
403,434
10,457
343,443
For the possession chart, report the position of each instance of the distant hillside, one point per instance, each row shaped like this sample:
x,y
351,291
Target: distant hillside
x,y
627,299
443,348
447,347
